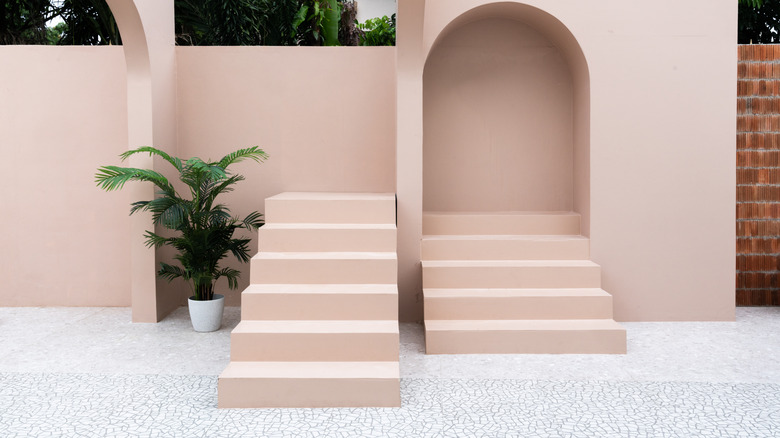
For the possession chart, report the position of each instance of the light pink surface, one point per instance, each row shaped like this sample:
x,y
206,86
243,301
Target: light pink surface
x,y
325,116
660,158
656,147
63,113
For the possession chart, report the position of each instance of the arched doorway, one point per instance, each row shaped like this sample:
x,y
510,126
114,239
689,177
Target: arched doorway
x,y
506,115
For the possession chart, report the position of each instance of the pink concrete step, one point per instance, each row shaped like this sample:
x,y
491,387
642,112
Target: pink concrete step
x,y
511,274
486,304
277,237
592,336
319,302
315,207
564,223
309,385
320,341
323,268
505,247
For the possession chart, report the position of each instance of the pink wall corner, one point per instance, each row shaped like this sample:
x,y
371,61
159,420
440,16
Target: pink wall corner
x,y
147,28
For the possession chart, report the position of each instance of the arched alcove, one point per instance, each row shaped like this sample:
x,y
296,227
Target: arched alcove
x,y
506,115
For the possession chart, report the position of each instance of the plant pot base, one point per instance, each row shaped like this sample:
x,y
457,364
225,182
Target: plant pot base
x,y
206,316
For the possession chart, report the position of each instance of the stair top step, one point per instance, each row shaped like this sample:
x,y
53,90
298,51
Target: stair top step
x,y
324,289
333,196
534,237
316,327
508,263
355,255
327,226
312,370
501,213
512,293
522,325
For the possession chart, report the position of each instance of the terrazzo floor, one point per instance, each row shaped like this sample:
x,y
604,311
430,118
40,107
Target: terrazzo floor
x,y
91,373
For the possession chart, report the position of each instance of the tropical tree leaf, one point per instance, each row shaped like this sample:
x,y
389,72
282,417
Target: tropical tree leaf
x,y
114,177
175,162
204,228
254,153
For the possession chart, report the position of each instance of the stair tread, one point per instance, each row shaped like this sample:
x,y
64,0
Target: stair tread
x,y
317,327
523,324
507,263
312,370
328,226
512,292
324,289
502,237
501,213
333,196
326,255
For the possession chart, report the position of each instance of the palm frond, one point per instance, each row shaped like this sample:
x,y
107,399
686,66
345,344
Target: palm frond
x,y
253,221
169,272
253,153
211,171
111,178
139,205
175,161
231,274
155,240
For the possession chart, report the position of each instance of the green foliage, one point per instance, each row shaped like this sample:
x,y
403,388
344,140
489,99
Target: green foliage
x,y
24,21
88,22
276,22
317,23
218,22
378,31
204,228
759,22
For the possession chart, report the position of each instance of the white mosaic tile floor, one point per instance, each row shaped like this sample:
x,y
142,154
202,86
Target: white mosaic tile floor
x,y
90,373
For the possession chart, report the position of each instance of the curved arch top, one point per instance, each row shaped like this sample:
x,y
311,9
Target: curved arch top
x,y
443,17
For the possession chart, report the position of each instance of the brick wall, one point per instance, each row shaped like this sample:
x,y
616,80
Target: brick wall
x,y
758,175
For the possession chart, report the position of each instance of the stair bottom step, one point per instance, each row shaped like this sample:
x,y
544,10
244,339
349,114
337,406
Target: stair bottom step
x,y
524,337
309,385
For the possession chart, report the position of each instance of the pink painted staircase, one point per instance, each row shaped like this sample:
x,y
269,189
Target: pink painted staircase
x,y
319,321
513,283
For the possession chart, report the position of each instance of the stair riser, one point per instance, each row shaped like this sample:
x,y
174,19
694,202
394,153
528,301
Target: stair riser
x,y
308,393
283,306
505,249
317,347
323,271
512,277
307,240
330,211
526,342
518,308
500,224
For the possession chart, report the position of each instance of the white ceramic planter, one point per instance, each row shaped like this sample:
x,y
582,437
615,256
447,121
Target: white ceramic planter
x,y
206,316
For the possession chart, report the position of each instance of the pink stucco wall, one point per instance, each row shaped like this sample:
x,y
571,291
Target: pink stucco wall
x,y
653,148
498,119
656,175
63,113
326,117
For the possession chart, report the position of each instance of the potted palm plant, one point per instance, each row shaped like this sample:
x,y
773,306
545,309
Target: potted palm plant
x,y
203,228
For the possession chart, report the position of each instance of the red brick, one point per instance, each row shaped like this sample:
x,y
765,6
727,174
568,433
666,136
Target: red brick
x,y
758,158
758,211
756,280
748,263
758,228
758,193
758,297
